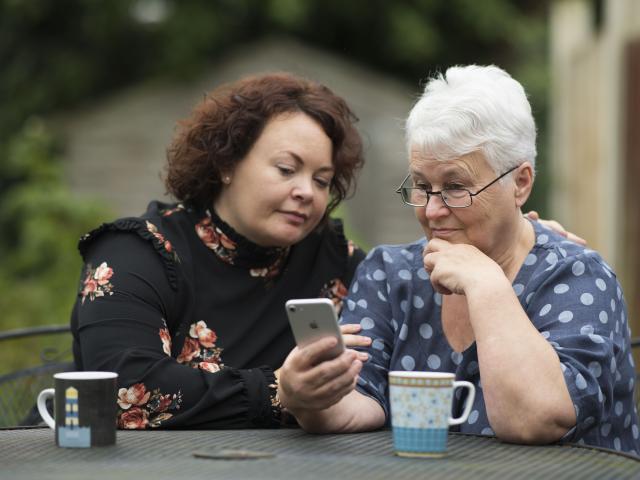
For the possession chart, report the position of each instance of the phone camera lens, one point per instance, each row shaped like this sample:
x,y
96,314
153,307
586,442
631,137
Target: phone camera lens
x,y
292,308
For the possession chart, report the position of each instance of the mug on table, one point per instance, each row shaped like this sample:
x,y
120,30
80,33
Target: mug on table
x,y
421,409
84,408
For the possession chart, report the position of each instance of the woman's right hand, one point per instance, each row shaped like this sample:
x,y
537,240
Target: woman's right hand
x,y
305,382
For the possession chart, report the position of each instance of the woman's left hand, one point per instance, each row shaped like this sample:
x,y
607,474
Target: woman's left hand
x,y
453,268
351,339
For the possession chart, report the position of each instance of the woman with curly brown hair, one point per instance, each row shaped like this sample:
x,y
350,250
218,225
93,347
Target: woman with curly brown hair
x,y
186,302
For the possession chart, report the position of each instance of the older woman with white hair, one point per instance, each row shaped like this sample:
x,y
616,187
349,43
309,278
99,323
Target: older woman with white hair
x,y
537,323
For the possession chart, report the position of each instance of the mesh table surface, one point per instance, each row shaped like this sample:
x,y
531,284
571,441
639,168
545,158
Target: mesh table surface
x,y
32,454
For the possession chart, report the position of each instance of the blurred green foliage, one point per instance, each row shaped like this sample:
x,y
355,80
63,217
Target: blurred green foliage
x,y
60,53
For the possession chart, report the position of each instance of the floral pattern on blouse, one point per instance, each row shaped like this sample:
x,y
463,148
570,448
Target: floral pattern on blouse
x,y
335,291
216,240
170,211
165,338
166,244
96,282
199,349
139,409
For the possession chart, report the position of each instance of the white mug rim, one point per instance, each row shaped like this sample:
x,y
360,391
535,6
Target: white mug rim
x,y
85,375
422,374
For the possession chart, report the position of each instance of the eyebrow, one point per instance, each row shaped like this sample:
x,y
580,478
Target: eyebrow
x,y
448,175
299,161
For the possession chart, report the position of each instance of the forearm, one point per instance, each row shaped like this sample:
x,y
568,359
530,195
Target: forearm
x,y
525,393
355,412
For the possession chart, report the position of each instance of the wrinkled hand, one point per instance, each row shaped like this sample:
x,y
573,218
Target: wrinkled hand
x,y
453,268
350,339
307,383
557,227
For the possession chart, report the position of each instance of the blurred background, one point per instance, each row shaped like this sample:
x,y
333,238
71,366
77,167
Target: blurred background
x,y
90,92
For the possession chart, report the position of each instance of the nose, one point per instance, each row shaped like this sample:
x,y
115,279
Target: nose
x,y
303,189
435,207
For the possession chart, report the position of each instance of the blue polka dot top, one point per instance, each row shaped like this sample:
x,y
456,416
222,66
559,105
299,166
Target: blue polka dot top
x,y
571,296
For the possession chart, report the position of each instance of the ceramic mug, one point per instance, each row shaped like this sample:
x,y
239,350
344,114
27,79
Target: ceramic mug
x,y
84,407
421,409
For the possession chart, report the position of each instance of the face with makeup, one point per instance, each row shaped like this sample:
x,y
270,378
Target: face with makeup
x,y
278,193
490,221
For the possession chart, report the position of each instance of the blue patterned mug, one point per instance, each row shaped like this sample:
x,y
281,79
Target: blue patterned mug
x,y
421,409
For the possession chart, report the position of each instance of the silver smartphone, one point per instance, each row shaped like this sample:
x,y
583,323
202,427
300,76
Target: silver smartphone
x,y
312,319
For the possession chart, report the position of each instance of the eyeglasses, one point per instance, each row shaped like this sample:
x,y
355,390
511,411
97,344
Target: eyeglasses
x,y
452,197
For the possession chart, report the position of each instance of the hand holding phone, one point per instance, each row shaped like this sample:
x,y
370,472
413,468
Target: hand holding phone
x,y
312,319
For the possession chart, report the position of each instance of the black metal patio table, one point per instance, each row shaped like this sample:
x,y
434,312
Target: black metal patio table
x,y
30,453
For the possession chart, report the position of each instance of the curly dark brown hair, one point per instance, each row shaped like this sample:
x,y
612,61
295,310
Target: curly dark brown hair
x,y
225,125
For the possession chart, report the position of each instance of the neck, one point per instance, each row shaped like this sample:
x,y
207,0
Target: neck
x,y
510,257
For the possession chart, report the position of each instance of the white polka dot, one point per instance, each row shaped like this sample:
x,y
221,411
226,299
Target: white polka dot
x,y
377,344
600,396
407,362
418,302
379,275
381,296
552,258
595,368
472,368
565,316
388,288
613,365
473,417
518,288
367,323
433,361
630,386
618,408
577,268
351,305
563,367
406,254
595,338
422,274
531,259
561,288
587,421
438,299
354,287
403,306
368,277
403,332
487,431
586,330
545,334
404,274
386,257
631,362
581,383
605,429
616,443
586,299
426,331
563,252
528,299
607,272
362,303
627,420
603,316
544,310
542,239
600,284
456,357
634,431
613,305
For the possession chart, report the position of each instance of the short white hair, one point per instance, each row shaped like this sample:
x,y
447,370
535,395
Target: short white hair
x,y
474,109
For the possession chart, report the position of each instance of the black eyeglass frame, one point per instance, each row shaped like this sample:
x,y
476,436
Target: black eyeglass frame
x,y
430,194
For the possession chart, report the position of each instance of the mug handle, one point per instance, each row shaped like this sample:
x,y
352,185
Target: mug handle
x,y
42,406
468,403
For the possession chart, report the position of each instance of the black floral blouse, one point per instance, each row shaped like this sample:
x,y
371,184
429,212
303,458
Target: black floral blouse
x,y
191,315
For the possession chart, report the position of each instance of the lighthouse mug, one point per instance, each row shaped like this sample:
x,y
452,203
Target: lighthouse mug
x,y
84,405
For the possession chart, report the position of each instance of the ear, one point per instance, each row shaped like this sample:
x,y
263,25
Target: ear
x,y
523,179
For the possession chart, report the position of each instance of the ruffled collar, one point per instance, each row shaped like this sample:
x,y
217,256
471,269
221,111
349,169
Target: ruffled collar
x,y
234,249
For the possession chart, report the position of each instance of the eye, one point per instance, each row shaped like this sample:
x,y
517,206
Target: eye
x,y
454,186
323,183
422,186
286,170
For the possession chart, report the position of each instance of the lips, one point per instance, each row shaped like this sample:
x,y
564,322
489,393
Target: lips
x,y
295,217
443,232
